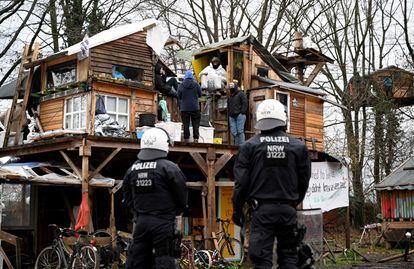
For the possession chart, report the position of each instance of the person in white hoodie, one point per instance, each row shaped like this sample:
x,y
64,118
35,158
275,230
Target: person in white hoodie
x,y
214,76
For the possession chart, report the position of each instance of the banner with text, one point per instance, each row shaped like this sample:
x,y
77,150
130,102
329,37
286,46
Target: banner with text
x,y
328,187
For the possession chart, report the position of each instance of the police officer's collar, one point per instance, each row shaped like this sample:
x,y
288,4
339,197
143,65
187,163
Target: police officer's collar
x,y
151,154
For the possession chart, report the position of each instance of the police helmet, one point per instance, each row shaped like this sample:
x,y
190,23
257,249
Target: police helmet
x,y
270,114
154,144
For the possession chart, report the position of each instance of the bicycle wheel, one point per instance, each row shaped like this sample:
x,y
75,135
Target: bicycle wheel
x,y
48,258
232,251
88,258
202,259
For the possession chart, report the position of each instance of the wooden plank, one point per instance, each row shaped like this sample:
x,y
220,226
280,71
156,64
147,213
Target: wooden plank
x,y
211,190
5,258
9,238
71,164
112,89
201,163
104,163
221,162
314,73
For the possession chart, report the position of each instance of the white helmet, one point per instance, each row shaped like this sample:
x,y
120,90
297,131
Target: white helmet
x,y
154,144
270,114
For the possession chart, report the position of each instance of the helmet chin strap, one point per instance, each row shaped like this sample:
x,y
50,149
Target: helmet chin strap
x,y
169,140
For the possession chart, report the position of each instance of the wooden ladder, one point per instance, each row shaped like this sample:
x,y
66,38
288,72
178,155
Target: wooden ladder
x,y
10,119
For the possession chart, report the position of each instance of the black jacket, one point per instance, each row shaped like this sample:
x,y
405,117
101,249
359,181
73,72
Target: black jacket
x,y
188,93
237,103
155,187
271,166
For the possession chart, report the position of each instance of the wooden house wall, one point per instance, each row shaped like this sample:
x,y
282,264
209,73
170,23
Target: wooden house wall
x,y
403,82
397,204
51,114
131,51
257,61
314,121
297,115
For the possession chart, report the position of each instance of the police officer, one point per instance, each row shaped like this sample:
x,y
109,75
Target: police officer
x,y
154,188
272,171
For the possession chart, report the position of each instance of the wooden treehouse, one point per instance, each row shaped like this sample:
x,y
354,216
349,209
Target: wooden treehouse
x,y
390,83
263,76
70,155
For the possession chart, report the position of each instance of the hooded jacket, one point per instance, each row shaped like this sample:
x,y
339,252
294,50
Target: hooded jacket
x,y
188,93
213,79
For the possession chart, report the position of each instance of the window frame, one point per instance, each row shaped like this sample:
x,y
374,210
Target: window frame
x,y
72,113
50,69
127,114
288,106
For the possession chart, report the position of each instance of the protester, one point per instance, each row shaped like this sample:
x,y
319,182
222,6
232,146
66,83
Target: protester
x,y
168,88
214,76
272,172
155,189
237,109
188,93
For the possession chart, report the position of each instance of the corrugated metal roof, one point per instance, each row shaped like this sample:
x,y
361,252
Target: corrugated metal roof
x,y
401,178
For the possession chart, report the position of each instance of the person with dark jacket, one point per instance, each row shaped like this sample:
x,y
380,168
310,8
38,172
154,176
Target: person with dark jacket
x,y
155,189
272,172
168,88
237,109
188,93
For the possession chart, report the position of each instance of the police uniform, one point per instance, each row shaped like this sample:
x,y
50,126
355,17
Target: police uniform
x,y
154,188
273,170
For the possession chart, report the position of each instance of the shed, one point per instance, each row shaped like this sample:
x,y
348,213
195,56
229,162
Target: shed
x,y
397,200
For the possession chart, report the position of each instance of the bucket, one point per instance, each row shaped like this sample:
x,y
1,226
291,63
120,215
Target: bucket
x,y
146,119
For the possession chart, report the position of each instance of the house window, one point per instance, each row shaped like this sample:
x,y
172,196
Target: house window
x,y
61,74
284,98
118,109
126,72
263,72
75,112
16,205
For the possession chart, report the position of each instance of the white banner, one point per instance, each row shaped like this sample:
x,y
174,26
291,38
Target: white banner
x,y
328,187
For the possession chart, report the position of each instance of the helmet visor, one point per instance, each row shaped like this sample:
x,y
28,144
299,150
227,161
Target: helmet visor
x,y
268,124
151,154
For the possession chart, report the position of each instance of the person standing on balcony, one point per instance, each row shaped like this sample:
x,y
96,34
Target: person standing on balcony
x,y
237,109
188,93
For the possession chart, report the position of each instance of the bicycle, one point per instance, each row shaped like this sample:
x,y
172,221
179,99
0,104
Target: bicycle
x,y
230,249
189,255
58,256
113,252
227,250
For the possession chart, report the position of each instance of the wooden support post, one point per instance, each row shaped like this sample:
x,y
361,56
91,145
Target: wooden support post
x,y
347,229
221,162
85,153
211,188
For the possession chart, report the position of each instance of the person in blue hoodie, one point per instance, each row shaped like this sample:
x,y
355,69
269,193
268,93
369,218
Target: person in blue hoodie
x,y
188,93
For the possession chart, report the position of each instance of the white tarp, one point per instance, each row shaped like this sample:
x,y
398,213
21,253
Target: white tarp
x,y
156,38
328,187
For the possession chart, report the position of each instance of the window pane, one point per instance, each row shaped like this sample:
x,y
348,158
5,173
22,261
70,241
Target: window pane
x,y
69,105
113,117
83,120
76,121
122,105
16,202
111,104
123,121
83,103
68,122
76,104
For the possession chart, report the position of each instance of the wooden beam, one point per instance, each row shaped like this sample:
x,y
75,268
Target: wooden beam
x,y
211,191
5,258
104,163
314,73
221,162
71,164
117,187
201,163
